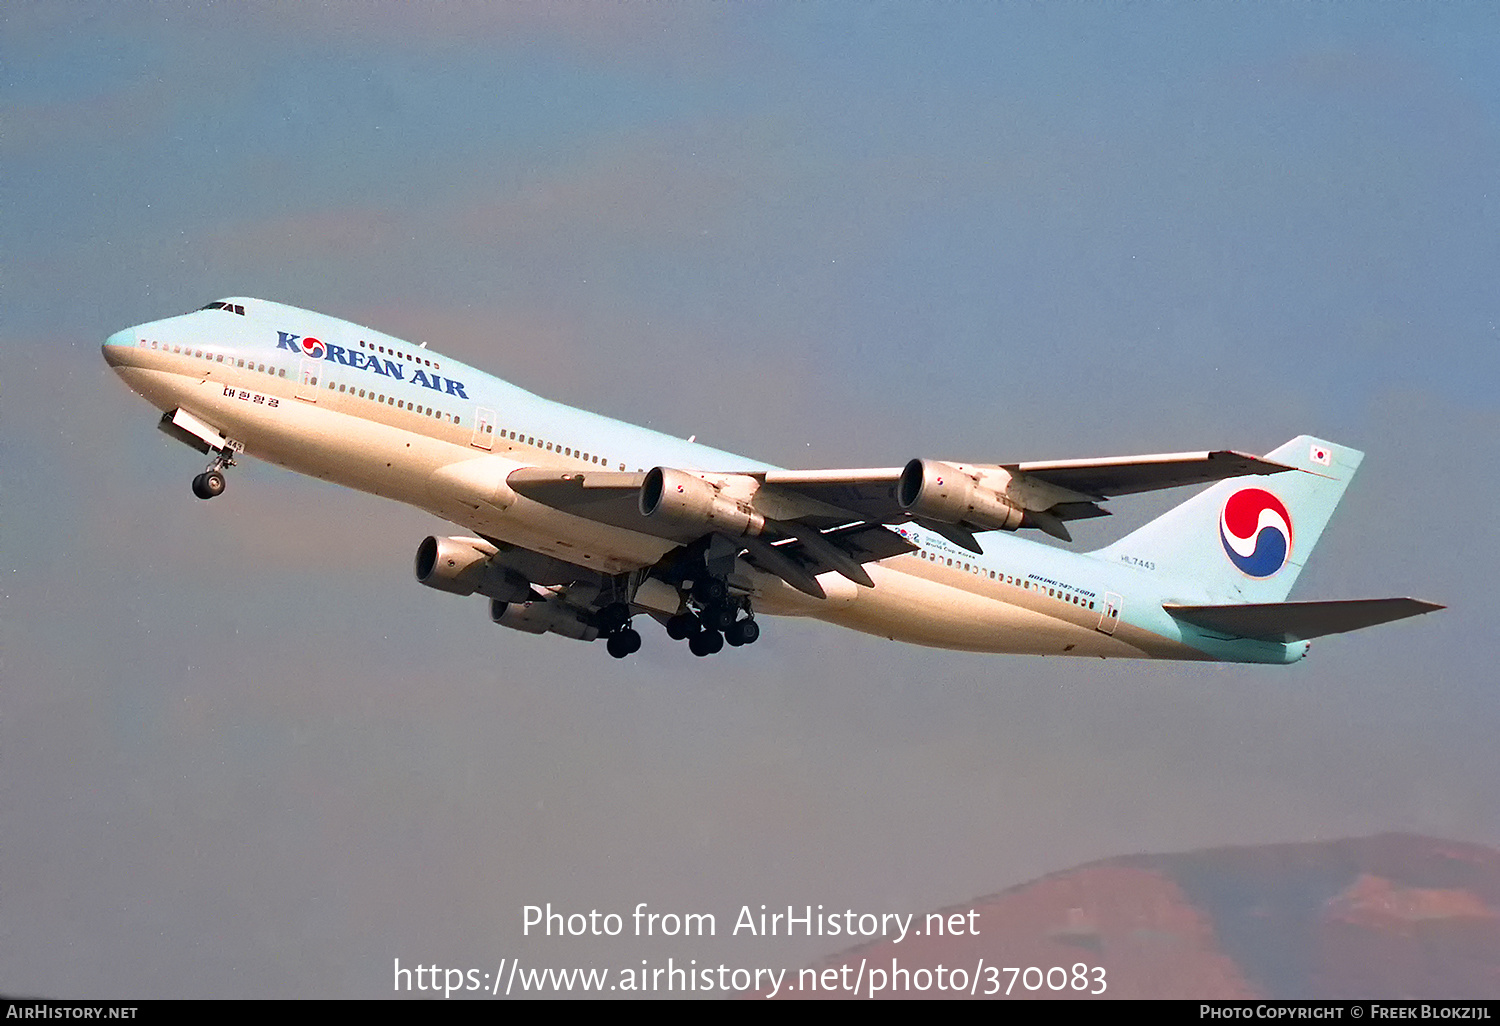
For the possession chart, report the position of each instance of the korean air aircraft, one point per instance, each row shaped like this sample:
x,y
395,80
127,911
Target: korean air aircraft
x,y
580,525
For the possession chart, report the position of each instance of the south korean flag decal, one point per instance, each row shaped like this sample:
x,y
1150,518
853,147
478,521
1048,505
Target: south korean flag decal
x,y
1321,455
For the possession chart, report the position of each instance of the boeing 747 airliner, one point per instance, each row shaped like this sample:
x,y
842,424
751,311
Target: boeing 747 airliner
x,y
579,524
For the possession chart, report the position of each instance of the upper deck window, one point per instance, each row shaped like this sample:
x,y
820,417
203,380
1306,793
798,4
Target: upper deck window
x,y
226,307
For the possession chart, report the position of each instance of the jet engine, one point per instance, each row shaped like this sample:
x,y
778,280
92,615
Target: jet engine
x,y
462,566
686,500
542,615
945,493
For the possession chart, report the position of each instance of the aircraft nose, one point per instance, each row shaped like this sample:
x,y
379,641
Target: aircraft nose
x,y
117,345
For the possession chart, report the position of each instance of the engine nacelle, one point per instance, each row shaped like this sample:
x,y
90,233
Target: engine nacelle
x,y
685,500
541,616
942,492
462,566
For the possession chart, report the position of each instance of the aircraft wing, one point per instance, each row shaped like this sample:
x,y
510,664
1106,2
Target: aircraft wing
x,y
828,498
1298,621
1129,475
604,496
800,523
613,498
795,538
815,495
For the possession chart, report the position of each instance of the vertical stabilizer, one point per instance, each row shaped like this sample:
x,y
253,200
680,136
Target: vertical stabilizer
x,y
1246,539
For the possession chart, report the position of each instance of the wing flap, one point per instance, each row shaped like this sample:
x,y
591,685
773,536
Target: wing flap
x,y
870,542
782,561
1298,621
809,552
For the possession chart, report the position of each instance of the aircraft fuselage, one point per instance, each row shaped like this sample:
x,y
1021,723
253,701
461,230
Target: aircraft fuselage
x,y
333,400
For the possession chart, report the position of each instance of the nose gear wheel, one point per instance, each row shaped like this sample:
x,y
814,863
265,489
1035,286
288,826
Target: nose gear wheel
x,y
211,482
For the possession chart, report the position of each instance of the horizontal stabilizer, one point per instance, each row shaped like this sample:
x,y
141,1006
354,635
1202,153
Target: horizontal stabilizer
x,y
1298,621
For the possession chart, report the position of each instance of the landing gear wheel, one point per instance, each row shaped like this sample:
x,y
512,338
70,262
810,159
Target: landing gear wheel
x,y
711,591
706,643
208,484
623,642
744,632
683,625
720,618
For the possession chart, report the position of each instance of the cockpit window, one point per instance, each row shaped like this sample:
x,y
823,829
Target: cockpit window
x,y
226,307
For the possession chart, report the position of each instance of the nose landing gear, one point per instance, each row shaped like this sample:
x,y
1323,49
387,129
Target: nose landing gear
x,y
211,482
208,484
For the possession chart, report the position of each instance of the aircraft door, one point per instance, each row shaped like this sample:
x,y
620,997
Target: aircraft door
x,y
484,429
1110,618
307,381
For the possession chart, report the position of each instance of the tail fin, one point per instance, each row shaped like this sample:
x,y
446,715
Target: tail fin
x,y
1246,539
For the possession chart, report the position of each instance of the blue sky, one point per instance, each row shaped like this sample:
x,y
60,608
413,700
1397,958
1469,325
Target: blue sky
x,y
244,754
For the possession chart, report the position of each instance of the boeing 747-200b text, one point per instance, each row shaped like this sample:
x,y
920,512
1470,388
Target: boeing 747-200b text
x,y
580,523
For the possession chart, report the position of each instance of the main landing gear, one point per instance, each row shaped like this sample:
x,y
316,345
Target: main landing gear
x,y
715,621
623,642
211,482
620,639
711,619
